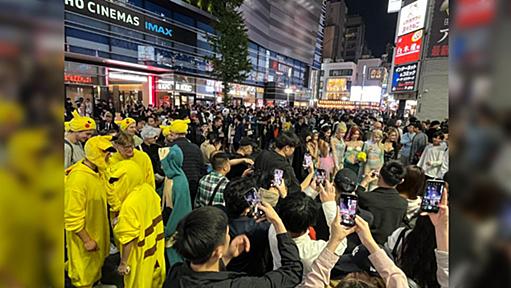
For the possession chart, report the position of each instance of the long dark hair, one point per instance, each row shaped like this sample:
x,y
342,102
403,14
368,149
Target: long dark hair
x,y
417,258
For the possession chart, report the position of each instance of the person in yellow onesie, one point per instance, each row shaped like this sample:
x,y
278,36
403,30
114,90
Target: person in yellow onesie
x,y
125,147
85,213
129,127
139,228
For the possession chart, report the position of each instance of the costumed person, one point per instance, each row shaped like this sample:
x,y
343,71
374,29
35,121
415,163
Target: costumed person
x,y
85,213
338,146
125,147
129,126
139,228
354,147
193,162
78,131
375,155
176,196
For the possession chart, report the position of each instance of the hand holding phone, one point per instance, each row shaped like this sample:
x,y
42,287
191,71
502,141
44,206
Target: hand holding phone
x,y
307,160
320,177
432,196
348,209
253,199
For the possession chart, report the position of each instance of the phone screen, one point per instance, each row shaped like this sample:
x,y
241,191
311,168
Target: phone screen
x,y
277,177
432,196
252,198
348,209
307,160
320,176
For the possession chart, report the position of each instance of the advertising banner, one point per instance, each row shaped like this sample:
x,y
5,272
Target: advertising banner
x,y
438,45
412,17
404,78
130,18
408,48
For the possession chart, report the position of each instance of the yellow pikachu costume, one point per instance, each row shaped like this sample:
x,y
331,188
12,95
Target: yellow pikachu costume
x,y
85,208
140,220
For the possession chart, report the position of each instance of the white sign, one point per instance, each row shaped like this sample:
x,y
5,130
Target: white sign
x,y
412,17
365,94
127,77
394,6
184,87
165,85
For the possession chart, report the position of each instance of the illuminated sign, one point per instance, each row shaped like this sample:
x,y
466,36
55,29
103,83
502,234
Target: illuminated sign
x,y
412,17
408,48
184,87
127,17
366,93
337,85
165,85
127,77
77,79
376,74
394,6
404,78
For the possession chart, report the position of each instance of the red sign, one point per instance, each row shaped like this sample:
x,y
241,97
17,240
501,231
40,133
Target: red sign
x,y
470,13
408,48
77,79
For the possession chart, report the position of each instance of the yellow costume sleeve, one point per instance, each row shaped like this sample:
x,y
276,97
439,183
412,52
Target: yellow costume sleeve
x,y
128,227
74,203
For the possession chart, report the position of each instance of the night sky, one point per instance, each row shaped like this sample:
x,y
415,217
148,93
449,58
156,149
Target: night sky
x,y
380,26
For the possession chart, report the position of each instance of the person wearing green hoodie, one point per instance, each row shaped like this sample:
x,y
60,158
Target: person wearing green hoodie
x,y
176,195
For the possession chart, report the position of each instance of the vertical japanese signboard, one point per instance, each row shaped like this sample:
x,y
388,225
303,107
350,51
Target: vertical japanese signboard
x,y
412,17
438,45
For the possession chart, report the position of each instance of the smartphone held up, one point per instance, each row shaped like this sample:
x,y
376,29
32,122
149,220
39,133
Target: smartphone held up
x,y
432,196
253,199
348,208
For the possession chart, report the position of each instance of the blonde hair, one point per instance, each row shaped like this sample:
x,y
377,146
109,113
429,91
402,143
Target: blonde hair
x,y
377,132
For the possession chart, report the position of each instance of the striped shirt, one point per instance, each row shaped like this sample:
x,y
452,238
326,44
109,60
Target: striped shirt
x,y
207,185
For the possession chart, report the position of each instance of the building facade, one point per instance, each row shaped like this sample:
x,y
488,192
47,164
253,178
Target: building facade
x,y
153,52
334,30
354,38
350,85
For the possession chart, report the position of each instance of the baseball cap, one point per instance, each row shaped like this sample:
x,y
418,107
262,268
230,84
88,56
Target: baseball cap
x,y
247,141
346,180
358,261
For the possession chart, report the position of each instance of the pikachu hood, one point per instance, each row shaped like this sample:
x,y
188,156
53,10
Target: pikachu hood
x,y
123,178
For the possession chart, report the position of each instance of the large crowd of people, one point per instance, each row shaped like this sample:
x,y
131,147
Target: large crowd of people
x,y
233,196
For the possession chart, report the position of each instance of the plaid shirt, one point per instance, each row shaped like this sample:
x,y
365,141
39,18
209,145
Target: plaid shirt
x,y
207,185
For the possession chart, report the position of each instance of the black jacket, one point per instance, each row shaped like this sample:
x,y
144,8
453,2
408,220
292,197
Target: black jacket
x,y
193,163
258,260
104,127
152,151
388,209
270,160
289,275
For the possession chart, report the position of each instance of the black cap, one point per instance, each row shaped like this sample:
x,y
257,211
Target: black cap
x,y
358,261
247,141
346,180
